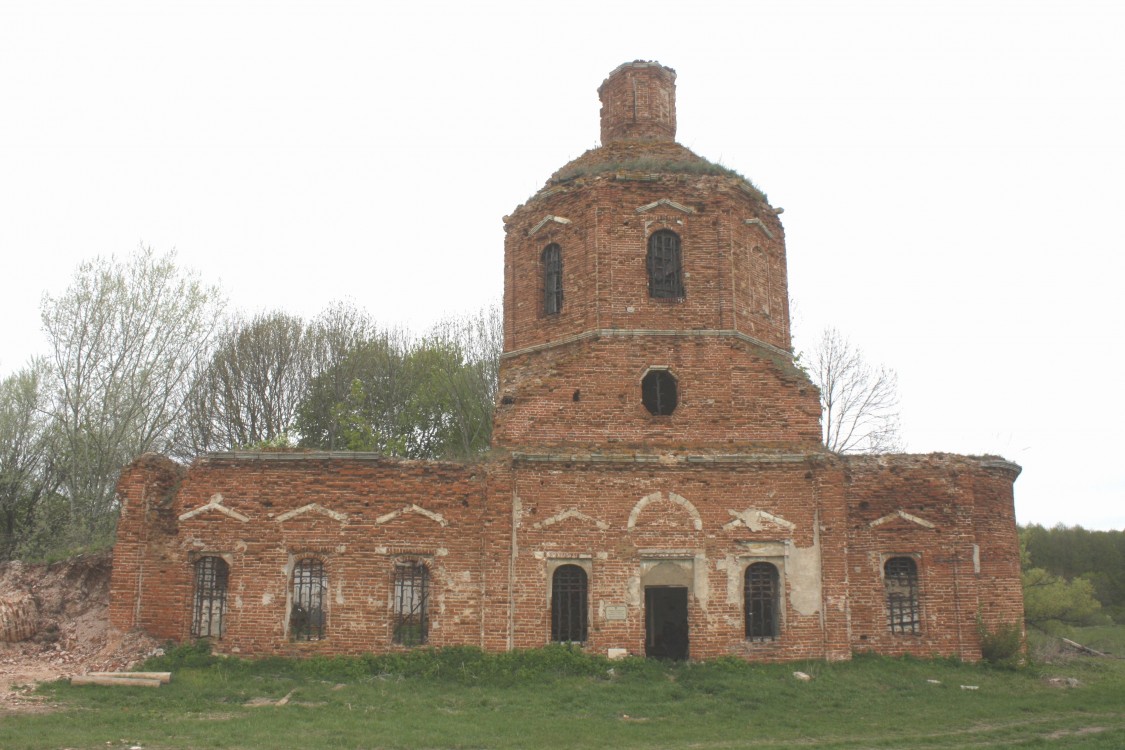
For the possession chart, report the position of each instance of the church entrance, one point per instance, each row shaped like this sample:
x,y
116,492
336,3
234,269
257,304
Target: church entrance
x,y
666,622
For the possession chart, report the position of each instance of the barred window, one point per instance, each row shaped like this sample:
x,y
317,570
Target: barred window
x,y
762,601
411,606
900,577
568,605
665,272
306,615
659,392
552,279
210,603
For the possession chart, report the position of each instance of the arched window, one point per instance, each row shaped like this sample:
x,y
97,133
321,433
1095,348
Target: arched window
x,y
900,577
665,268
210,604
659,392
568,605
411,606
552,279
762,601
306,614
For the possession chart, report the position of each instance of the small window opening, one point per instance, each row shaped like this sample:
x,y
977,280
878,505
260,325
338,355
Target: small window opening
x,y
552,279
659,392
762,600
411,607
306,616
568,605
211,575
900,576
665,268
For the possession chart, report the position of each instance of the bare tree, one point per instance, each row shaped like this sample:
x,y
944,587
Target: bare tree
x,y
249,391
859,401
124,338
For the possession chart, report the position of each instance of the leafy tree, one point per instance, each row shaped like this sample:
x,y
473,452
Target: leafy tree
x,y
124,338
859,401
1050,598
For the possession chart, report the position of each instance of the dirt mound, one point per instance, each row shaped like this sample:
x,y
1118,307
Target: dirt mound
x,y
60,615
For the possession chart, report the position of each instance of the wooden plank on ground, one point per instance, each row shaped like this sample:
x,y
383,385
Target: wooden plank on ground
x,y
164,677
118,681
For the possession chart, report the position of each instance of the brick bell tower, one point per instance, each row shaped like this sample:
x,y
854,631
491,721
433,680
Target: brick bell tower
x,y
646,300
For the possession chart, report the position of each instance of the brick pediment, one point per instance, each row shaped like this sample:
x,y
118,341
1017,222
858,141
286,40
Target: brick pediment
x,y
410,510
215,504
664,512
757,520
571,514
899,520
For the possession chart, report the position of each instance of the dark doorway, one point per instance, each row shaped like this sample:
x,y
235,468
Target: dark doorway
x,y
666,622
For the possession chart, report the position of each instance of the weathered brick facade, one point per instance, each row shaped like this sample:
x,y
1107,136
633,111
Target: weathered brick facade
x,y
717,525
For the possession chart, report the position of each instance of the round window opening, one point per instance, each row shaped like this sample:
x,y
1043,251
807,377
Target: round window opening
x,y
659,393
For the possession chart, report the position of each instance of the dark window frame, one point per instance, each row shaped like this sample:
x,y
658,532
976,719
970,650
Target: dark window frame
x,y
209,601
308,619
665,265
552,261
411,591
900,580
762,601
660,392
570,591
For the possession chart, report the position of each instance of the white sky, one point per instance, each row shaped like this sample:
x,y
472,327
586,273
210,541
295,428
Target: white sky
x,y
951,173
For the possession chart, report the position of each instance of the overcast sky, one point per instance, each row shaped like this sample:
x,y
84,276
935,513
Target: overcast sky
x,y
951,173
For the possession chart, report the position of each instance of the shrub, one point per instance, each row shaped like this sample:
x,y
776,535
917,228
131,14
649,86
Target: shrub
x,y
1002,646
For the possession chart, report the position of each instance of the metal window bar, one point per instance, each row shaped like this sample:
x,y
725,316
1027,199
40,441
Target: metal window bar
x,y
762,596
306,616
552,279
901,580
211,574
665,273
659,393
568,605
411,620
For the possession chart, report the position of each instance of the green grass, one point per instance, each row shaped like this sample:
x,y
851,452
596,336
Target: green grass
x,y
460,698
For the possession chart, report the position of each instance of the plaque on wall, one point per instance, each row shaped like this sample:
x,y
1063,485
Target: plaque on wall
x,y
615,611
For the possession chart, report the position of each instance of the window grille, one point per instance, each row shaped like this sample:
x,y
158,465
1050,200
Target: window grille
x,y
900,576
665,272
411,607
568,605
762,601
552,279
659,392
306,615
211,574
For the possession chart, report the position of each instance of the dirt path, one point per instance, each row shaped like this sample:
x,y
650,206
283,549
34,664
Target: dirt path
x,y
71,631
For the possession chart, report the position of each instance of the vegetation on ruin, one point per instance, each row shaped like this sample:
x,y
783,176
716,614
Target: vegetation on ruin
x,y
561,698
146,357
653,165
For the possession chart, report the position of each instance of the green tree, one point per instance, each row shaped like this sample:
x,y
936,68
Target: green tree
x,y
124,338
28,475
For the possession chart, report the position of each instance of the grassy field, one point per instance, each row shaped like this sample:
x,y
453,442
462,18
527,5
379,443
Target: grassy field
x,y
559,698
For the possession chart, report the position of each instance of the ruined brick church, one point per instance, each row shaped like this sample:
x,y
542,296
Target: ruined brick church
x,y
656,486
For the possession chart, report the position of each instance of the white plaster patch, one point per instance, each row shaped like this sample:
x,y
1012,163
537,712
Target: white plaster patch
x,y
267,599
215,503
